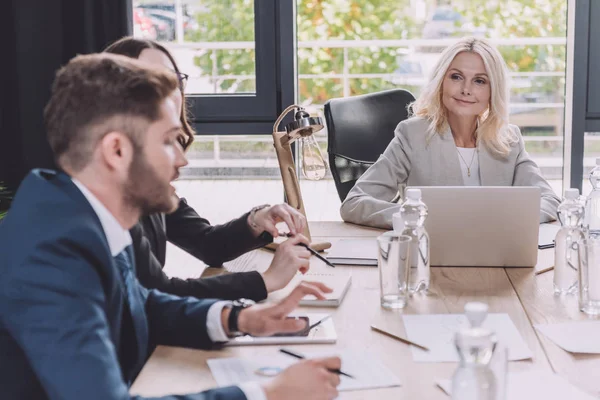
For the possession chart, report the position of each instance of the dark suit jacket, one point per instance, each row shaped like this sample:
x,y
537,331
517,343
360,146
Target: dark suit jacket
x,y
65,326
211,244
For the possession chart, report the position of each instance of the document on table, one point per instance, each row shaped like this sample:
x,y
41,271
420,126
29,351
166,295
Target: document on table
x,y
436,332
368,371
574,336
534,385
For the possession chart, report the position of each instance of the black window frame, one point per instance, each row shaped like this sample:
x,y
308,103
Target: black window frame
x,y
275,52
585,60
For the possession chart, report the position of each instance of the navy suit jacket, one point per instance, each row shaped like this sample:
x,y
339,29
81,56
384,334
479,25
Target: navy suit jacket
x,y
66,330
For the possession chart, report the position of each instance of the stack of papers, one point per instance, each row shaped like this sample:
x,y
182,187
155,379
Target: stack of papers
x,y
353,252
534,385
574,336
339,281
436,332
368,372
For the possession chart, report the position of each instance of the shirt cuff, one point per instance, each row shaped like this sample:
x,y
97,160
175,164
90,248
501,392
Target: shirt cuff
x,y
253,391
214,327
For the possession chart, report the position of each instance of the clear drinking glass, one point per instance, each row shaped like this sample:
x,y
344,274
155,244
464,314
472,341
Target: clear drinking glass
x,y
499,366
589,275
393,257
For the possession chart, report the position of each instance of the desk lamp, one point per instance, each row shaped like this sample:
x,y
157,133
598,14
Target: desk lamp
x,y
313,164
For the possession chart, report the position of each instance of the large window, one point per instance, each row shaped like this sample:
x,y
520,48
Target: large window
x,y
347,48
229,48
211,41
247,60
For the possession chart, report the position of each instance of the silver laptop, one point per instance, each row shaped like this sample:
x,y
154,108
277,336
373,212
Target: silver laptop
x,y
486,226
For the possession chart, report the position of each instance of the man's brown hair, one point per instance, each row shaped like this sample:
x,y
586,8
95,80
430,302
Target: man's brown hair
x,y
100,93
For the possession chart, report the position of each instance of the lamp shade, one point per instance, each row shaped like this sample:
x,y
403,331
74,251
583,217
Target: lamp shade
x,y
303,125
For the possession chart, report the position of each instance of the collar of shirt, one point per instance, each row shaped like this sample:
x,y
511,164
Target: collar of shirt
x,y
117,237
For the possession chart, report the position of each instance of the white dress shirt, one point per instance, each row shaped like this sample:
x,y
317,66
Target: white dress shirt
x,y
119,238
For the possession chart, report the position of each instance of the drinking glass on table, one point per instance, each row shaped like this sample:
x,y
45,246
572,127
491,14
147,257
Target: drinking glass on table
x,y
589,275
392,261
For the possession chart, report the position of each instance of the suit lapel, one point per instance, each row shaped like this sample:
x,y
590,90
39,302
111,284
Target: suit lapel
x,y
450,172
126,336
139,321
489,167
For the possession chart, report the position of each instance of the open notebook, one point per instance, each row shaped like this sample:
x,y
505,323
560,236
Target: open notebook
x,y
353,252
338,281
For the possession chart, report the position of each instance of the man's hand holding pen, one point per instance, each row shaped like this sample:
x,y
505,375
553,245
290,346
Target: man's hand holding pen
x,y
307,379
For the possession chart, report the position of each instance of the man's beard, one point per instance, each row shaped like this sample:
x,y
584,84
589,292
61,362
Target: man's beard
x,y
144,189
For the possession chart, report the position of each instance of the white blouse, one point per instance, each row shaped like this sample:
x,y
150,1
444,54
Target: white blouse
x,y
469,165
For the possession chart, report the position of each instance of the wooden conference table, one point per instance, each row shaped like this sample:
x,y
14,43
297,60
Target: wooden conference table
x,y
528,299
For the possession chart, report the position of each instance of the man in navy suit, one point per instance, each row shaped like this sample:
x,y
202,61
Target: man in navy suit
x,y
74,321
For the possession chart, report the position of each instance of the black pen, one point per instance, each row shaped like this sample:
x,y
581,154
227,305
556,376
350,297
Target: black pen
x,y
319,322
301,357
313,251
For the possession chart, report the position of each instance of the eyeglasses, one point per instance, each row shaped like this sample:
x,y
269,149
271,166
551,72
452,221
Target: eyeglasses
x,y
183,78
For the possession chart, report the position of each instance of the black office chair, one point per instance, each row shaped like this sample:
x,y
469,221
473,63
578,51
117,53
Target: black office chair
x,y
359,129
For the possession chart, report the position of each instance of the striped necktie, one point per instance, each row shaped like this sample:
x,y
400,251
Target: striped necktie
x,y
135,301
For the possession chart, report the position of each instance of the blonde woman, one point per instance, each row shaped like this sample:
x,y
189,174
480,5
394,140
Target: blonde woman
x,y
458,135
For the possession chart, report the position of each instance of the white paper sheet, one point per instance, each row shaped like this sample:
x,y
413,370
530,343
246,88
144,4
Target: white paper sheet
x,y
368,372
574,336
436,332
530,385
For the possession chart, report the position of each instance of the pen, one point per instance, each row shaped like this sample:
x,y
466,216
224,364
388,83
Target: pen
x,y
335,371
313,251
403,340
310,327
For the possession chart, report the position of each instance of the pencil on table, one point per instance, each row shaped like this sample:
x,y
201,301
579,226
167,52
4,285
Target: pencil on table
x,y
541,271
401,339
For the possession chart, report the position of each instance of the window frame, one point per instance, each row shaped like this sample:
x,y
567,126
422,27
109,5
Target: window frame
x,y
255,113
578,118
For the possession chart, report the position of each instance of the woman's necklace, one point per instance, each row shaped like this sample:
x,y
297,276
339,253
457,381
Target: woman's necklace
x,y
472,158
467,165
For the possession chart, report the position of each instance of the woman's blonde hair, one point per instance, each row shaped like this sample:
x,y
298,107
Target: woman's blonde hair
x,y
493,129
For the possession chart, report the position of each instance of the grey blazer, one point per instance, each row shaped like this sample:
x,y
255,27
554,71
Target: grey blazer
x,y
411,159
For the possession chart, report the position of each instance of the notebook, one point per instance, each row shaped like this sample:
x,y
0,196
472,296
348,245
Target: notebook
x,y
338,281
547,234
353,252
